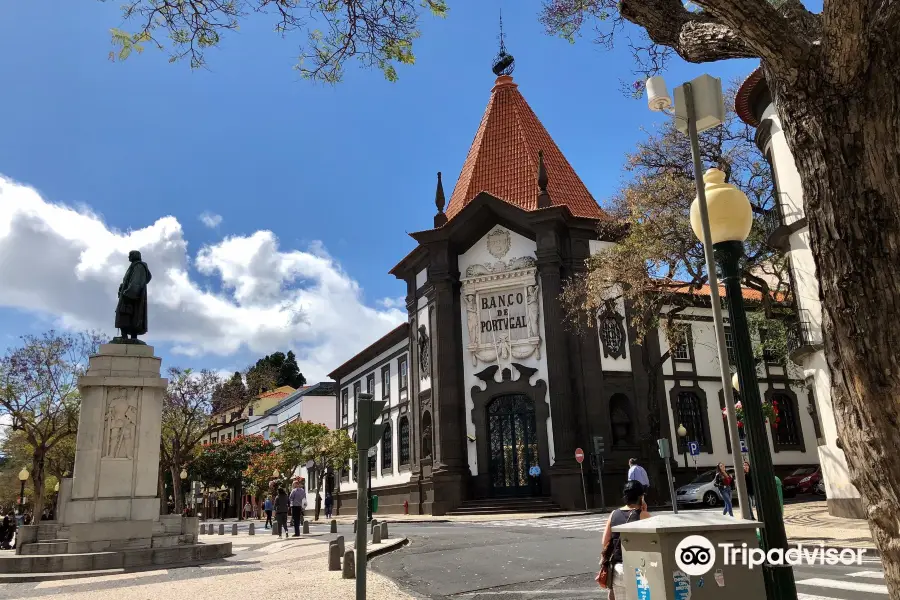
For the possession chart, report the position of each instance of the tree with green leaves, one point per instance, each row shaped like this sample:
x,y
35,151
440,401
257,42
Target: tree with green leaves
x,y
658,264
186,419
39,394
273,371
377,33
259,474
223,463
304,441
230,393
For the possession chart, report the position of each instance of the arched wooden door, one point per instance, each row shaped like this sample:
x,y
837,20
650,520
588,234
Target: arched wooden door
x,y
513,446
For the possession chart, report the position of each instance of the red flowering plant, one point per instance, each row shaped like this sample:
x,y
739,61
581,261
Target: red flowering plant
x,y
770,412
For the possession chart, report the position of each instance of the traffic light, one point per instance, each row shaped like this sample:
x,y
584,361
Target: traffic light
x,y
368,434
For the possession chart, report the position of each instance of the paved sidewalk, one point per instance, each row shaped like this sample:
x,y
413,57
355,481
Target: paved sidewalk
x,y
809,523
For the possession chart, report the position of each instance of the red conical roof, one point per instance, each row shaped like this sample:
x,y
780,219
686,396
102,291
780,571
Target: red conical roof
x,y
503,160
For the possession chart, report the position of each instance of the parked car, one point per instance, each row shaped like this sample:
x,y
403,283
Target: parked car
x,y
820,487
701,490
801,481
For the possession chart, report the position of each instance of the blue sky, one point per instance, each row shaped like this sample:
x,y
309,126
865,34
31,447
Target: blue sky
x,y
344,170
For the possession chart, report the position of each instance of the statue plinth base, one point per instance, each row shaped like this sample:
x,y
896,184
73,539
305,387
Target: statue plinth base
x,y
114,490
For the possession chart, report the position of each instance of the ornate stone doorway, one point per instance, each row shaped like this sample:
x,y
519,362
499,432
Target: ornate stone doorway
x,y
513,446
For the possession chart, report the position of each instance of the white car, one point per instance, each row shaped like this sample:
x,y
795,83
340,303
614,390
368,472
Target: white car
x,y
701,490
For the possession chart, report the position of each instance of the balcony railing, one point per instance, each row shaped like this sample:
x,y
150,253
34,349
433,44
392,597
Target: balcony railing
x,y
803,337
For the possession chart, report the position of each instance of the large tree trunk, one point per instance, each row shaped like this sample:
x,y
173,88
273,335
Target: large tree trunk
x,y
845,142
176,487
37,478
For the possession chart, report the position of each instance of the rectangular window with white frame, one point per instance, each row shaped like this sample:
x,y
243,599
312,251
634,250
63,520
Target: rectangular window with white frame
x,y
403,372
357,389
370,383
681,345
386,383
345,406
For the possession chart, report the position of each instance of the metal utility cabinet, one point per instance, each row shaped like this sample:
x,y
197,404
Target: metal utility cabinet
x,y
651,572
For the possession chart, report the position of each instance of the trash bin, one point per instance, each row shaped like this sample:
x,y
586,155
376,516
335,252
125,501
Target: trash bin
x,y
681,557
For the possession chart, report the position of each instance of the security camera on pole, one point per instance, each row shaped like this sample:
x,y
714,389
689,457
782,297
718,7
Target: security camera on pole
x,y
367,436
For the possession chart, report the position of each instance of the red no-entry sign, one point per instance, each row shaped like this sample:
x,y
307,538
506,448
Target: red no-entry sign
x,y
579,455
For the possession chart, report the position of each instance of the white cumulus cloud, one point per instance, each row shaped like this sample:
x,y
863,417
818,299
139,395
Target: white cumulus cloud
x,y
211,220
67,263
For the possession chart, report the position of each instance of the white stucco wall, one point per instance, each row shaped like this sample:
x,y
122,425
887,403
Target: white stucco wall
x,y
396,475
803,269
478,254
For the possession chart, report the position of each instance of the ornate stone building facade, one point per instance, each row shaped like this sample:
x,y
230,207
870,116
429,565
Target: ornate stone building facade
x,y
498,391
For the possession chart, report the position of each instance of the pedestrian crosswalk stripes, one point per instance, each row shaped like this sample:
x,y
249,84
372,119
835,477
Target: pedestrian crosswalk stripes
x,y
840,584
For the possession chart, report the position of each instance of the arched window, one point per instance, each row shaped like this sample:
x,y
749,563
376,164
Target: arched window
x,y
387,449
404,440
689,411
787,433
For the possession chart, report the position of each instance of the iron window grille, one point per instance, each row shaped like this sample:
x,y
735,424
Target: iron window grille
x,y
404,440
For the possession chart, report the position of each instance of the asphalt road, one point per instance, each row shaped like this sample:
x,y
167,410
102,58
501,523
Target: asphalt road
x,y
552,559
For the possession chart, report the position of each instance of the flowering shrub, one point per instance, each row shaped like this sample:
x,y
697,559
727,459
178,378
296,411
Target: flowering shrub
x,y
770,412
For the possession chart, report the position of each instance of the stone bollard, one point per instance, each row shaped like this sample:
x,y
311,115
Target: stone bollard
x,y
384,531
340,544
252,529
374,524
305,526
234,529
202,528
349,565
221,529
376,535
354,526
333,526
334,557
274,528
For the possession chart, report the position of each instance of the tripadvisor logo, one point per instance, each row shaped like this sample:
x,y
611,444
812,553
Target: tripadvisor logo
x,y
696,555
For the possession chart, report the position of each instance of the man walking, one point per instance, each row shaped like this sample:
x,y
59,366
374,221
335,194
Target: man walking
x,y
298,498
637,473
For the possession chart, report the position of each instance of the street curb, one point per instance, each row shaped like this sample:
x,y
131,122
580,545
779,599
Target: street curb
x,y
393,545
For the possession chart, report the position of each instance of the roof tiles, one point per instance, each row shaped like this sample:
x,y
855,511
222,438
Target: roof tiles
x,y
503,160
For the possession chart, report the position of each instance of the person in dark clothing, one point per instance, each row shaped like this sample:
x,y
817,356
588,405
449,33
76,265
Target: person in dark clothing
x,y
635,509
329,503
7,530
282,506
748,482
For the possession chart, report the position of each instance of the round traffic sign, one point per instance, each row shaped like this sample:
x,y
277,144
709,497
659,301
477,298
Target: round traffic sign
x,y
579,455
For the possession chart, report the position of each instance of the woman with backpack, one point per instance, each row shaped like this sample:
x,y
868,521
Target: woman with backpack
x,y
612,573
724,483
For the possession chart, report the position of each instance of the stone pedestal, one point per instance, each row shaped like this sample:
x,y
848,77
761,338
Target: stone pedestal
x,y
113,496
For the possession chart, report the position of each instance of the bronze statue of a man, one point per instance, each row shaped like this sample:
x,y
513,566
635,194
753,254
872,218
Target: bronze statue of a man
x,y
131,312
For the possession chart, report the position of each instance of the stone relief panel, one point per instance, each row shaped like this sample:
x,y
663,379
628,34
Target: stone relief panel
x,y
120,422
503,313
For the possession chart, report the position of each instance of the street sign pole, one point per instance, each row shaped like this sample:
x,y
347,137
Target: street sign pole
x,y
600,481
367,435
665,454
579,456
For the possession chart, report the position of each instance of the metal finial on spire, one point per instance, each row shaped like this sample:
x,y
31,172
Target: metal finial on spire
x,y
504,63
542,180
440,218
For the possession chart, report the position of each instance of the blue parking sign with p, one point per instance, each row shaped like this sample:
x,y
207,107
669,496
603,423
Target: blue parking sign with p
x,y
694,448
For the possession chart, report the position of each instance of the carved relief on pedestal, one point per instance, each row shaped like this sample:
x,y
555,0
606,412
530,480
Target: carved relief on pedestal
x,y
120,422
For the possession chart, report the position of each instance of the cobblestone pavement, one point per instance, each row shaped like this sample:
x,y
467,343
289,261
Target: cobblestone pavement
x,y
262,566
810,523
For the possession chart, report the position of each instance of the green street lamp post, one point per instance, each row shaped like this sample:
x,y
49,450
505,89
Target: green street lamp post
x,y
730,219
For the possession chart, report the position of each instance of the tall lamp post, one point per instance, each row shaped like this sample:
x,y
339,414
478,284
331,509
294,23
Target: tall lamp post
x,y
183,475
699,106
682,433
731,219
23,477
